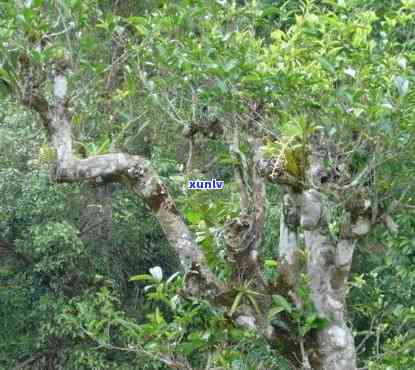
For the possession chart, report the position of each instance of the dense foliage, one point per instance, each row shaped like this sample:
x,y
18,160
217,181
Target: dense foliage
x,y
87,278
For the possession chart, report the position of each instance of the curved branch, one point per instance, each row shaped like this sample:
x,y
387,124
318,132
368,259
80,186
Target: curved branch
x,y
134,170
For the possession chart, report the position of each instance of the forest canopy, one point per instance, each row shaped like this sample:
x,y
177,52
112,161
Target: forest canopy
x,y
115,255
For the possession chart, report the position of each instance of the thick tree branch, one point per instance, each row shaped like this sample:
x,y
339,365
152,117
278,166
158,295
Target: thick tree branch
x,y
258,192
134,170
289,247
305,210
245,234
240,172
328,268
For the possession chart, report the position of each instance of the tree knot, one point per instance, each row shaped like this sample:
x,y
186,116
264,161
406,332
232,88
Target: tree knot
x,y
136,171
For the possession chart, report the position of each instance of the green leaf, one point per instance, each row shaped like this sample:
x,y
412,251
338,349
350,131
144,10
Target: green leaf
x,y
230,65
104,146
275,311
194,217
271,149
144,277
292,130
235,304
139,23
134,328
280,301
254,303
172,277
313,322
327,65
4,75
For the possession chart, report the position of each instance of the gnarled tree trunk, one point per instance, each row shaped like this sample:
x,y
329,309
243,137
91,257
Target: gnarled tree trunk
x,y
133,170
327,269
305,216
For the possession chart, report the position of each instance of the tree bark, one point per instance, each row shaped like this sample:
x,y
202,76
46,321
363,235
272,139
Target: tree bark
x,y
305,212
328,267
289,249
